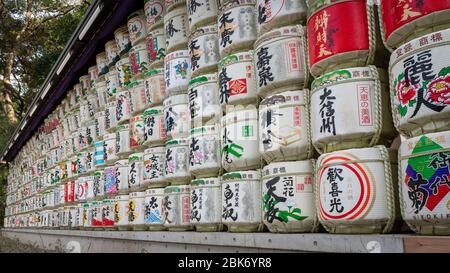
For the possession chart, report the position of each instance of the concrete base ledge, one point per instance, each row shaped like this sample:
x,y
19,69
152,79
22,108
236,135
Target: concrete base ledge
x,y
146,241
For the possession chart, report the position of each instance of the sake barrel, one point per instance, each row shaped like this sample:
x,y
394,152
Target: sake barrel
x,y
90,194
237,80
123,67
99,185
136,172
154,13
176,116
154,132
85,82
355,190
122,40
171,4
420,84
137,133
136,210
122,176
206,205
347,109
176,208
99,153
201,13
97,215
108,214
138,97
424,191
123,148
176,28
90,132
102,95
123,107
274,13
155,87
90,160
241,201
240,143
237,26
156,40
177,72
153,209
110,148
80,189
100,125
112,82
111,116
111,185
284,132
102,63
204,50
121,213
343,34
112,52
137,26
402,21
204,102
177,161
140,59
204,151
93,75
154,167
288,197
280,60
87,216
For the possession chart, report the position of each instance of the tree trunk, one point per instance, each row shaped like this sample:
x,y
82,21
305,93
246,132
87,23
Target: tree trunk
x,y
8,89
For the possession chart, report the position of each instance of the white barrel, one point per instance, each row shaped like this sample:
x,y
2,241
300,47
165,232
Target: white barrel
x,y
122,39
80,189
355,190
275,13
122,176
111,115
281,61
154,13
138,97
93,75
123,107
241,201
102,95
423,183
346,109
137,26
176,28
120,212
420,85
284,132
112,82
136,210
171,4
90,132
99,154
201,13
154,131
112,52
156,40
99,185
100,125
97,215
139,59
108,214
177,72
110,174
123,67
90,160
204,151
240,143
87,215
288,196
110,148
79,216
237,26
136,172
123,148
177,161
206,205
154,210
102,63
155,87
204,50
154,167
204,102
176,116
237,80
85,83
177,208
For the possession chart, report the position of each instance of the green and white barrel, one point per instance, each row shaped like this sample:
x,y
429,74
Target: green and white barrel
x,y
204,102
284,127
176,204
206,205
171,4
123,135
419,74
111,116
153,209
350,109
110,149
122,40
123,107
424,183
112,82
288,196
204,151
154,13
204,50
236,22
177,72
242,201
121,213
177,161
280,58
136,210
99,185
136,172
154,167
87,216
122,176
97,215
154,131
356,190
102,63
112,52
138,97
108,214
155,87
275,13
123,67
139,59
239,130
156,40
137,27
201,13
137,133
176,116
176,28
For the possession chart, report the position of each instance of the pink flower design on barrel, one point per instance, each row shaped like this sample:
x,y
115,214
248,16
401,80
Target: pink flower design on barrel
x,y
439,90
405,93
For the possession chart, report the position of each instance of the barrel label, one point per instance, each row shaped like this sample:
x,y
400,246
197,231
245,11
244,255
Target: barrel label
x,y
154,210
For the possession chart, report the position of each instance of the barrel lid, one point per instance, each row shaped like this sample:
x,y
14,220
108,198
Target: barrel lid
x,y
177,142
288,97
176,54
156,71
239,115
156,31
206,78
179,11
155,191
136,13
123,127
98,173
211,181
425,144
205,130
287,31
155,150
177,99
153,111
121,163
241,175
288,168
227,5
136,194
86,205
107,201
205,30
135,157
137,118
177,189
122,198
358,155
246,56
342,75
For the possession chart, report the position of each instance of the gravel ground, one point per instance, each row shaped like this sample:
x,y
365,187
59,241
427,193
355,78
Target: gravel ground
x,y
15,246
